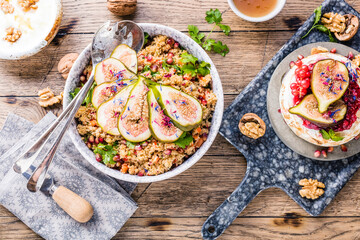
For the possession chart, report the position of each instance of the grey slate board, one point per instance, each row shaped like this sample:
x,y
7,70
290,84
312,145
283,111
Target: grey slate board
x,y
270,163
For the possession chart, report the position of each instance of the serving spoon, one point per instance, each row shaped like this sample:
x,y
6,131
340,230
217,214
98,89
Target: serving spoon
x,y
107,37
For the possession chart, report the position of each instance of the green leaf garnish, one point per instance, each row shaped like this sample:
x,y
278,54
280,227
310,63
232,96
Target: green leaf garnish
x,y
188,58
130,145
146,38
193,67
324,134
330,135
226,29
218,47
213,16
107,153
88,97
74,93
194,33
184,140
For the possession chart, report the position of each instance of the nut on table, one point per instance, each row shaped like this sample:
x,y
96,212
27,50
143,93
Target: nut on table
x,y
252,126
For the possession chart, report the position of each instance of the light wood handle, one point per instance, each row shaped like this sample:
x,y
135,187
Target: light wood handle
x,y
74,205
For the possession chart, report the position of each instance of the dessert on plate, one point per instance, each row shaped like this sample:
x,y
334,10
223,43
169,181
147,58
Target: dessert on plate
x,y
319,98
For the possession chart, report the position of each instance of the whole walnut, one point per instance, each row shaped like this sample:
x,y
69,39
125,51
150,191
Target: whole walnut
x,y
66,63
122,7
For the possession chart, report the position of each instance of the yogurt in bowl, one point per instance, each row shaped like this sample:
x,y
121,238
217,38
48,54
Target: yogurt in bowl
x,y
27,26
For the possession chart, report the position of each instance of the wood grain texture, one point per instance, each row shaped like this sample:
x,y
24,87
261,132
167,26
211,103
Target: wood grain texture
x,y
177,208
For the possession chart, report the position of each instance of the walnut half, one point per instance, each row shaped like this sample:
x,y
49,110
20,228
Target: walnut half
x,y
12,34
48,98
251,125
312,188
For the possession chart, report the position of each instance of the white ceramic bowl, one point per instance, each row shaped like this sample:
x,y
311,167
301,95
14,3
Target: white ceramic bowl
x,y
279,6
44,21
193,48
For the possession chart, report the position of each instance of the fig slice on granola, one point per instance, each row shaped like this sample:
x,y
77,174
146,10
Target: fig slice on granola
x,y
308,109
107,90
329,81
111,69
109,111
127,56
161,126
184,110
133,123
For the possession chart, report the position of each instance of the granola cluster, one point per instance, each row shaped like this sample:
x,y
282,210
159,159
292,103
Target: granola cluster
x,y
48,98
312,188
12,34
6,7
27,5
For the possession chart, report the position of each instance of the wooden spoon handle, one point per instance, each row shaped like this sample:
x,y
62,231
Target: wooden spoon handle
x,y
74,205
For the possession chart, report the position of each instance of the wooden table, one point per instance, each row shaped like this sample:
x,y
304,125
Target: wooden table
x,y
178,207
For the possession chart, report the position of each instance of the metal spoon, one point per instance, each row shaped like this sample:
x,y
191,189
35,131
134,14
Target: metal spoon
x,y
105,40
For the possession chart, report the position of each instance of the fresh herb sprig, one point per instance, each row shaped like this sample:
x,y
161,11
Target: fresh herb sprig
x,y
212,17
192,65
319,26
107,153
184,140
330,135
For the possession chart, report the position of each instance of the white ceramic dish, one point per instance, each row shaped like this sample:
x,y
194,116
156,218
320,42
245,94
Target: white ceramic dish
x,y
38,28
193,48
279,6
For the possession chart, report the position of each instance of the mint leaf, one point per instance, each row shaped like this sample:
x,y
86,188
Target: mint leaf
x,y
226,29
184,140
324,134
213,16
130,145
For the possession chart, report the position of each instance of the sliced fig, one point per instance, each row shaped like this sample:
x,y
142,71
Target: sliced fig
x,y
161,126
109,111
127,56
308,109
184,110
107,90
329,81
111,69
133,123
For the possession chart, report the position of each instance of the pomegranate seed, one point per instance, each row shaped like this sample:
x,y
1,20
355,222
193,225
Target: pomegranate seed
x,y
138,147
169,61
116,158
343,148
330,149
141,173
279,110
89,145
144,144
167,152
91,139
311,67
317,153
323,152
333,50
292,63
298,63
170,54
97,140
101,139
176,45
350,56
154,68
98,157
300,57
149,58
170,41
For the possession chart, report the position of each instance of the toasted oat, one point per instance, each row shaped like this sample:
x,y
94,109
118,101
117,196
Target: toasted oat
x,y
334,22
27,5
312,188
318,49
48,98
6,7
12,34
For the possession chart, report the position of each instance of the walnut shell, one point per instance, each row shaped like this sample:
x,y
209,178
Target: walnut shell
x,y
66,63
122,7
352,26
251,125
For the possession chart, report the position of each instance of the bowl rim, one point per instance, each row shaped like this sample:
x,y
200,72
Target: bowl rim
x,y
279,6
73,78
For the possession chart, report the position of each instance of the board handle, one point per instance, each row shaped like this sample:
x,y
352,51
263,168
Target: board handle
x,y
74,205
228,211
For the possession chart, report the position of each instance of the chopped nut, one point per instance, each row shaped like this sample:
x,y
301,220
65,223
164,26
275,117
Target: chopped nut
x,y
26,5
312,189
6,7
66,63
48,98
319,50
122,7
12,34
252,125
334,22
352,26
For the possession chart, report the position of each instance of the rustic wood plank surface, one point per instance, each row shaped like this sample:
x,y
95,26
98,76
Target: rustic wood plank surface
x,y
178,207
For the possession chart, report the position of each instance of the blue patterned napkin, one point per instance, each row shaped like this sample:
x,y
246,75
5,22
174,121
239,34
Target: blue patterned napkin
x,y
110,199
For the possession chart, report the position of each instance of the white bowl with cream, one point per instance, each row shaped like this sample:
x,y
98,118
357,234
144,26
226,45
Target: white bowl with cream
x,y
38,26
277,9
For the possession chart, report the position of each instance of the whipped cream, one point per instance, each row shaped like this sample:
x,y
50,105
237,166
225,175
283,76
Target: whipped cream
x,y
35,25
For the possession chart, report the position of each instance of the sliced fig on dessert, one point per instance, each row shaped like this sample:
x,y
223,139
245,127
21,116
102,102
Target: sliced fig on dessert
x,y
111,69
133,123
329,81
161,126
127,56
184,110
107,90
109,111
308,109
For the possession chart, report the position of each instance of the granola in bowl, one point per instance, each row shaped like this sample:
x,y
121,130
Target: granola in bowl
x,y
163,64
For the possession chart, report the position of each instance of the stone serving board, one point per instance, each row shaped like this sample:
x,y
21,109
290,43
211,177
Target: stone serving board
x,y
270,163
